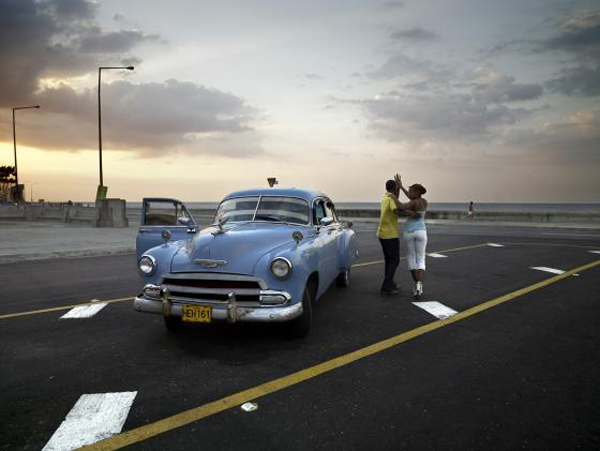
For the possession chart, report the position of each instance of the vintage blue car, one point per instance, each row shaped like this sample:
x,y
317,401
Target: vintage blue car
x,y
268,255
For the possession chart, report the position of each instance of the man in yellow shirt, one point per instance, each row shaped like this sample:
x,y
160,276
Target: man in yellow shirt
x,y
388,235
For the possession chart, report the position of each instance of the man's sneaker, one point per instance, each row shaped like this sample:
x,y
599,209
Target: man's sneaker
x,y
389,293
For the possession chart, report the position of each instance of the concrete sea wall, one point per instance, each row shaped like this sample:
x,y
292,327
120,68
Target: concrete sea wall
x,y
90,215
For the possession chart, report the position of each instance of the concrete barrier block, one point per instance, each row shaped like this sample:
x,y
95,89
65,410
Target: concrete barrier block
x,y
111,213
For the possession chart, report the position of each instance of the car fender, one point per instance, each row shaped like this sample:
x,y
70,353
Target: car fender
x,y
163,255
304,259
349,249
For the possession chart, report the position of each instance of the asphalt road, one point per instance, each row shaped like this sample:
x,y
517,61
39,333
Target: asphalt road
x,y
521,374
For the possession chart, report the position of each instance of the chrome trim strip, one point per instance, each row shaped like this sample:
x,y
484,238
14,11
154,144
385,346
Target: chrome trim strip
x,y
208,263
244,314
215,276
256,209
210,302
225,291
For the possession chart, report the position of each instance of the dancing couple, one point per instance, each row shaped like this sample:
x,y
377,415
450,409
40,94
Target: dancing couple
x,y
415,234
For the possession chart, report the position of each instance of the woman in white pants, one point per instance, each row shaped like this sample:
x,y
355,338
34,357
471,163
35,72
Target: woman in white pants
x,y
415,234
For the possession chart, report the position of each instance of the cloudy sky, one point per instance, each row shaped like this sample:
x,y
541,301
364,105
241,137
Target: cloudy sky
x,y
475,99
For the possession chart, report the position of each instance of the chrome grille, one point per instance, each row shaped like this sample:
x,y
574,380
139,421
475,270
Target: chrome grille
x,y
213,288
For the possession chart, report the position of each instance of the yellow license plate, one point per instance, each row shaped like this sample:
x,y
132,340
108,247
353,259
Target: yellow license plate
x,y
196,314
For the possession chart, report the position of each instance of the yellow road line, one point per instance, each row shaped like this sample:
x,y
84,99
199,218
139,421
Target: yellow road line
x,y
189,416
63,307
68,307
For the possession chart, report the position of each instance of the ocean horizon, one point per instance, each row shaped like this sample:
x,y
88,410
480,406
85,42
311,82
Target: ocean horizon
x,y
590,207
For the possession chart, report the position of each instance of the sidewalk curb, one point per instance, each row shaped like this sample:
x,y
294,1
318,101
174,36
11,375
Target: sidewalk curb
x,y
15,258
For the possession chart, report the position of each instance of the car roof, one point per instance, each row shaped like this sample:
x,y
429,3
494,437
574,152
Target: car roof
x,y
306,194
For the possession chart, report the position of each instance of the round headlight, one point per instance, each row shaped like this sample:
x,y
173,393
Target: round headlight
x,y
281,267
147,264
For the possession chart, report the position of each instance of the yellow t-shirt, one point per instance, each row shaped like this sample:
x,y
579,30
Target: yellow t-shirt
x,y
388,221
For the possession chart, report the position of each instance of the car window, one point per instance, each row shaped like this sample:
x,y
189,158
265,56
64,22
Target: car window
x,y
160,213
284,209
236,210
319,212
330,211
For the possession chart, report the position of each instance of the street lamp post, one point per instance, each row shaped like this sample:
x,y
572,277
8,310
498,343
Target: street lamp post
x,y
101,190
31,192
15,143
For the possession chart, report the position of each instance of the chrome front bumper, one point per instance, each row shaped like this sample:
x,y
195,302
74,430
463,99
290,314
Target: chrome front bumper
x,y
225,311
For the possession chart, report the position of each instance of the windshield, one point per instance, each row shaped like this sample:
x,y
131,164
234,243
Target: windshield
x,y
284,209
236,210
271,208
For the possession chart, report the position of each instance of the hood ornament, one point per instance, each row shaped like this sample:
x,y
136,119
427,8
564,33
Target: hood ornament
x,y
207,263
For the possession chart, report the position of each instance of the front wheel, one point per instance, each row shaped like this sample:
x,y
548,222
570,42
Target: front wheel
x,y
299,327
343,278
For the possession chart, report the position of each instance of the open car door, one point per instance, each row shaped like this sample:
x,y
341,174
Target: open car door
x,y
160,214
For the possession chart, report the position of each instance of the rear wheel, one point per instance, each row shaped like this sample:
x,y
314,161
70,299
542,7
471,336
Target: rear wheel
x,y
173,323
299,327
343,279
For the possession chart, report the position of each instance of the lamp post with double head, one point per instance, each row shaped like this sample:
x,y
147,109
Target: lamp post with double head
x,y
15,144
101,190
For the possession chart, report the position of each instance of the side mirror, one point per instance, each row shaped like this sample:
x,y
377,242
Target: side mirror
x,y
326,221
184,221
350,224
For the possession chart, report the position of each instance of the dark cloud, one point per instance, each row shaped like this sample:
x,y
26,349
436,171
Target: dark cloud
x,y
425,111
580,33
60,38
150,118
573,140
403,66
70,9
392,5
116,42
491,87
54,38
579,37
457,117
580,80
413,35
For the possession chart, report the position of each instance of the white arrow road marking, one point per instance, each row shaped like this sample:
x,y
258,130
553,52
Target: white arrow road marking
x,y
436,309
546,269
84,311
94,417
434,255
495,245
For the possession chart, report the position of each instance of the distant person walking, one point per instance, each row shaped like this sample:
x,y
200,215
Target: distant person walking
x,y
470,211
388,235
415,233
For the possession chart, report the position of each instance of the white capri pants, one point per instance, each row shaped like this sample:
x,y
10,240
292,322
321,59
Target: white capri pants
x,y
416,242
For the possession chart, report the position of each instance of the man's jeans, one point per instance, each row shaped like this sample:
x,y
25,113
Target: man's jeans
x,y
391,254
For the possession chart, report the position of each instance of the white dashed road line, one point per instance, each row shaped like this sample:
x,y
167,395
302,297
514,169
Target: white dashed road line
x,y
94,417
595,252
434,255
438,310
550,270
84,311
495,245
